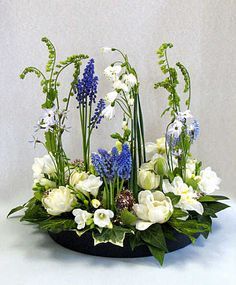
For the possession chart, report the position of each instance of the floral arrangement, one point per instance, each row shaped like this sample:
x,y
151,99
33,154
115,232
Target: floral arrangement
x,y
137,191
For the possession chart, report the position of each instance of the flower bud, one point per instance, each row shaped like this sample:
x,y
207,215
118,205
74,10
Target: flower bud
x,y
160,166
95,203
148,180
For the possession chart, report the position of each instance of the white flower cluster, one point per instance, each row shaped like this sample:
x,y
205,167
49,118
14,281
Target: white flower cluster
x,y
122,84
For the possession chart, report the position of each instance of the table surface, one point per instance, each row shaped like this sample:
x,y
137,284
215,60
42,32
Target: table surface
x,y
28,256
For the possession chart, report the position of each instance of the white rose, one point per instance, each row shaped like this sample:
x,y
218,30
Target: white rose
x,y
111,97
58,201
109,112
152,208
43,165
209,181
76,177
129,79
81,218
89,185
188,198
147,179
119,85
102,218
112,72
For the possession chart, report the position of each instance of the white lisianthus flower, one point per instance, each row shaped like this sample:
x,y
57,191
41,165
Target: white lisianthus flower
x,y
102,218
58,201
147,179
81,218
175,129
119,85
43,165
184,116
89,185
188,198
106,49
152,208
111,97
209,181
129,79
109,112
112,72
76,177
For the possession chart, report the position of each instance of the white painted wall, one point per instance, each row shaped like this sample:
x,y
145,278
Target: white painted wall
x,y
203,33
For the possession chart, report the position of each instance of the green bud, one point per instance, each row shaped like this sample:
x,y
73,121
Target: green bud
x,y
160,166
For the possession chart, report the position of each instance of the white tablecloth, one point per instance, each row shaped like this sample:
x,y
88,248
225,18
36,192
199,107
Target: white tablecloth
x,y
28,256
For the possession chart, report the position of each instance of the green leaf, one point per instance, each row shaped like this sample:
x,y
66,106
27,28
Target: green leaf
x,y
189,227
206,220
16,209
174,198
135,240
117,136
212,198
35,213
154,236
127,217
211,208
157,253
56,225
178,213
116,235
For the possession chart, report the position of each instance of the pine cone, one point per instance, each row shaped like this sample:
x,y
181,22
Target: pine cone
x,y
125,200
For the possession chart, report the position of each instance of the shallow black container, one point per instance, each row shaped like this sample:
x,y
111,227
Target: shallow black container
x,y
85,244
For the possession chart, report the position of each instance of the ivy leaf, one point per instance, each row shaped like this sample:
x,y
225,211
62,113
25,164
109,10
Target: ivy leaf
x,y
127,217
157,253
154,236
57,225
212,198
178,214
35,213
116,235
207,220
211,208
135,240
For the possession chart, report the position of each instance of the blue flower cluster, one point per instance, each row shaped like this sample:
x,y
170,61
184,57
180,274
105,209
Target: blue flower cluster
x,y
97,116
194,130
114,164
87,86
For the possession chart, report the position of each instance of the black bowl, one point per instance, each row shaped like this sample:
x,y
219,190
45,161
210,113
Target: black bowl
x,y
85,244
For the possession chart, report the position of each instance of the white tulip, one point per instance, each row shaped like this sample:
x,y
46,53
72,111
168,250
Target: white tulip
x,y
209,181
89,185
112,72
102,218
106,49
43,165
129,80
147,179
111,97
76,177
152,208
81,218
58,201
119,85
188,198
109,112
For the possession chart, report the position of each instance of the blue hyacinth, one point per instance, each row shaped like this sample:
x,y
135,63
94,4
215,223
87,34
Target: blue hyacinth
x,y
113,164
97,116
87,86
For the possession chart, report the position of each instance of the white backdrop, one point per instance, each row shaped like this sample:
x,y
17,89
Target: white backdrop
x,y
203,33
